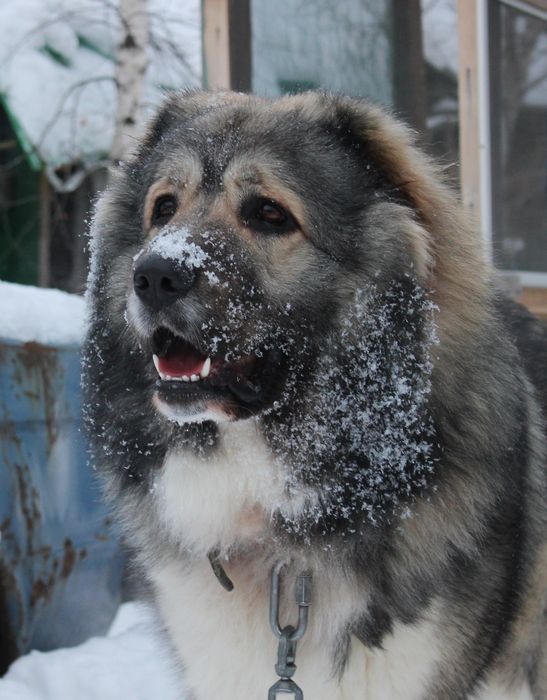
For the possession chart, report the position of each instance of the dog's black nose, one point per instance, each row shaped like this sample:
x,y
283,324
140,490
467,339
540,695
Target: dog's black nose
x,y
159,282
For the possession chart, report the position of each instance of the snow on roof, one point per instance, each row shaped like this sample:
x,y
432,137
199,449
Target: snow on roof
x,y
57,70
45,316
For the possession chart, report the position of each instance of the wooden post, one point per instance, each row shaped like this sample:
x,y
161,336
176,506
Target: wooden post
x,y
227,44
408,63
468,98
240,45
216,44
474,113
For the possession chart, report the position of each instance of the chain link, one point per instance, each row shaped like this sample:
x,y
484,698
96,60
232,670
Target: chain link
x,y
288,636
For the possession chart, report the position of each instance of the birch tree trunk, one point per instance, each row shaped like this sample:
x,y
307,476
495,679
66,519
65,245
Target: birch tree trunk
x,y
131,64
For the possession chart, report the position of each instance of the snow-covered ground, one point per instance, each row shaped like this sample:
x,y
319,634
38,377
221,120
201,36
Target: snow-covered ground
x,y
132,662
45,316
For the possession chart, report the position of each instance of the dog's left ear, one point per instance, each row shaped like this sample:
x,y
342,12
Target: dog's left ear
x,y
175,111
441,236
414,179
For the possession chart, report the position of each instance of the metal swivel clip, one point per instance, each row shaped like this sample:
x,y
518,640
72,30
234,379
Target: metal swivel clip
x,y
289,635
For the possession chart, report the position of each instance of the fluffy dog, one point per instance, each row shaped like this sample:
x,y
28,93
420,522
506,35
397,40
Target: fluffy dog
x,y
297,356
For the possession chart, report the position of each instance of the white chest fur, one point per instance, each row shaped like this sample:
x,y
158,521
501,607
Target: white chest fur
x,y
229,652
223,638
227,497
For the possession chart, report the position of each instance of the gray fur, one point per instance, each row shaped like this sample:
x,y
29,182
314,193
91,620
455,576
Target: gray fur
x,y
399,387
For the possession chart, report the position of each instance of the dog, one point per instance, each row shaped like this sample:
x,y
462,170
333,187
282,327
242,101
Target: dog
x,y
299,371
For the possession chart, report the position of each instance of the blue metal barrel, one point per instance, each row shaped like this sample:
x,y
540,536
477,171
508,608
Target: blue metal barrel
x,y
60,560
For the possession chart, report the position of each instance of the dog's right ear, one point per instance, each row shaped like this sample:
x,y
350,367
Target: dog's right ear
x,y
181,107
177,108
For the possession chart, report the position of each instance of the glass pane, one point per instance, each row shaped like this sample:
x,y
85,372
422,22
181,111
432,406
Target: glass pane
x,y
519,139
301,44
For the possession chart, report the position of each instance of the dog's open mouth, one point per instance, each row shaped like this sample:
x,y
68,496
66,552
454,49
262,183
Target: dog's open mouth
x,y
186,374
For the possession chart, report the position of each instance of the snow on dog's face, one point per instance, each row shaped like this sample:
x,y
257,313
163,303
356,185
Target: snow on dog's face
x,y
282,260
234,239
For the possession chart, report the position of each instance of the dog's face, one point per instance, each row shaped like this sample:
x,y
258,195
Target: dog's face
x,y
237,237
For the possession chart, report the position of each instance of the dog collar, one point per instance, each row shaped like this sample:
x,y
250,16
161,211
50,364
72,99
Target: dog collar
x,y
218,570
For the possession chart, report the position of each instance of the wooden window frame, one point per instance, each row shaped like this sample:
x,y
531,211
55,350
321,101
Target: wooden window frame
x,y
475,133
474,113
227,44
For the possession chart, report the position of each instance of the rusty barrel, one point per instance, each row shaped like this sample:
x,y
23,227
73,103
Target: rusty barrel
x,y
60,560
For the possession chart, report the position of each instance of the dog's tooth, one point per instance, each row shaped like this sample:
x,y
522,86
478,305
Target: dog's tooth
x,y
163,376
194,378
206,368
185,378
156,361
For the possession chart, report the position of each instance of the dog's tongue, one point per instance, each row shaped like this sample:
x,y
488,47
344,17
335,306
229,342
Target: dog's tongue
x,y
180,362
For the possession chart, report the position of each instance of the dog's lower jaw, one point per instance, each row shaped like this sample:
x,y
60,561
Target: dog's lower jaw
x,y
199,413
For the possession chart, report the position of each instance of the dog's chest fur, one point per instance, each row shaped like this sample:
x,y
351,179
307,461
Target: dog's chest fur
x,y
223,638
223,499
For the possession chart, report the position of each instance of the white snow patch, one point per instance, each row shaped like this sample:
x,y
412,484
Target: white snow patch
x,y
130,662
46,316
175,244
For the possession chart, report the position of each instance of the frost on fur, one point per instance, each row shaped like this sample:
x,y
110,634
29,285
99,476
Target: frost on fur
x,y
175,244
362,433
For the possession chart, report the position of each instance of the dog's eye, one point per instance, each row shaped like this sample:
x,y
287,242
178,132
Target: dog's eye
x,y
272,214
267,216
164,209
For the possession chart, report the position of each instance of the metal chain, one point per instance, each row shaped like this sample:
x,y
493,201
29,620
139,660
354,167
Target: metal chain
x,y
288,636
